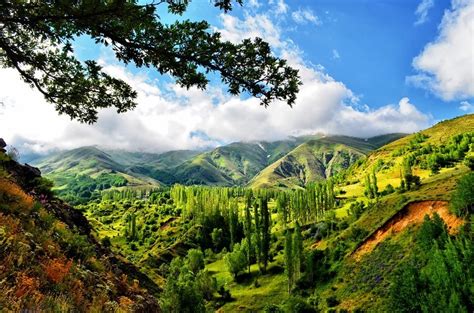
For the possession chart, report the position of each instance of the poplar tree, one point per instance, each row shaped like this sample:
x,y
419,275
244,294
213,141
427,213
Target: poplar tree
x,y
265,228
258,237
289,259
298,251
248,227
233,223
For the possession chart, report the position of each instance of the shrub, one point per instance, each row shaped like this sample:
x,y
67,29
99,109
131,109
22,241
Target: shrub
x,y
57,269
195,260
236,261
462,200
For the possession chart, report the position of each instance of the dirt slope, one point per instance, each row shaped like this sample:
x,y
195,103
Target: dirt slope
x,y
412,214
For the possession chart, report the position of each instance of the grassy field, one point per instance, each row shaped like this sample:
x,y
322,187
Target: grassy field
x,y
247,295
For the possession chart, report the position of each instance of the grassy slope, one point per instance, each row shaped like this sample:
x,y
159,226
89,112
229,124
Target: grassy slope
x,y
88,161
317,159
390,171
234,164
358,284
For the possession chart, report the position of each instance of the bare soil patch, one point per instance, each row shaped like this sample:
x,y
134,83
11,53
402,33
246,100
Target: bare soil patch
x,y
411,214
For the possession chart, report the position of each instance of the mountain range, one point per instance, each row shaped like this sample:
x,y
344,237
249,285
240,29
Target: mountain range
x,y
287,163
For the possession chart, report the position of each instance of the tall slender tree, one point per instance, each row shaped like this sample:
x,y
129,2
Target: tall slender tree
x,y
289,269
298,251
265,228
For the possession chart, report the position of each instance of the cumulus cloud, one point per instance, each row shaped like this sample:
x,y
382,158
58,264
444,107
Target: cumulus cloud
x,y
335,54
305,16
422,11
446,65
172,117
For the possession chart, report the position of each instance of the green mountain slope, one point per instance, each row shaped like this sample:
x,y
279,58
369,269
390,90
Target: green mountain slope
x,y
317,159
234,164
423,148
82,173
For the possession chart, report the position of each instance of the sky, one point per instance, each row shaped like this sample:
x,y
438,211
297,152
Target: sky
x,y
367,67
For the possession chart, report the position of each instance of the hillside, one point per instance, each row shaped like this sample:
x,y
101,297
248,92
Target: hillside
x,y
317,159
49,259
233,164
426,151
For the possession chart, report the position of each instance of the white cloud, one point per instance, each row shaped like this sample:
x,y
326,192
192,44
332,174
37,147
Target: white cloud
x,y
466,107
335,54
254,3
446,65
168,118
304,16
280,7
422,11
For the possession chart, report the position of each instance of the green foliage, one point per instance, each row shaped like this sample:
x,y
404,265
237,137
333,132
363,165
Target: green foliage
x,y
40,48
195,260
439,278
297,251
236,260
181,293
469,161
462,200
289,260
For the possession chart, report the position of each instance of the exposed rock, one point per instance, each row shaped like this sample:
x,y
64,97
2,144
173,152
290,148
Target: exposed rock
x,y
3,144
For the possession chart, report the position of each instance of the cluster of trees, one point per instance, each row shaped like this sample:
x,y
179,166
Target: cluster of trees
x,y
438,275
462,201
188,285
82,188
306,205
408,181
230,216
371,188
435,157
152,195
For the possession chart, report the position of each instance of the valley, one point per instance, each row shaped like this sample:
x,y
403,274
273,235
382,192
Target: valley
x,y
316,224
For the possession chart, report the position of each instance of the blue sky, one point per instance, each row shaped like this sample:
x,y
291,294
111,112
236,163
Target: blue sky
x,y
368,67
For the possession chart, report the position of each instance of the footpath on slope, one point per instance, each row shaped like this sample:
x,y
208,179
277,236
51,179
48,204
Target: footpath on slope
x,y
412,214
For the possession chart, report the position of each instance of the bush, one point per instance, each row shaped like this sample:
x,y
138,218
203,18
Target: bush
x,y
236,261
462,200
469,161
195,260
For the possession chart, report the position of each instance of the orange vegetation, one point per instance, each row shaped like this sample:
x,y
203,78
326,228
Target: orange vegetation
x,y
412,214
25,285
13,190
57,269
